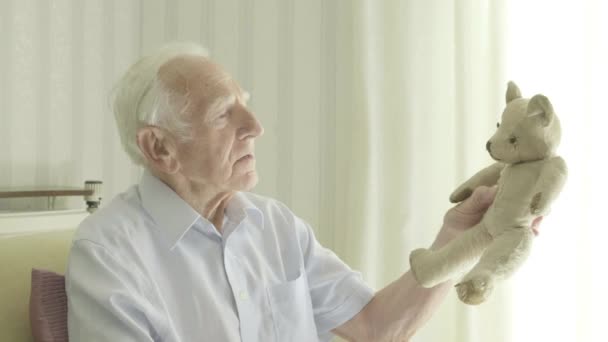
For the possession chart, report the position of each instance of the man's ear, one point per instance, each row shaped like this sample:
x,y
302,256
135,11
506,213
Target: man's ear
x,y
158,148
540,106
512,92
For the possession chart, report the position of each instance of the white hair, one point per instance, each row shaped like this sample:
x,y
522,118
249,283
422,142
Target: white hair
x,y
140,98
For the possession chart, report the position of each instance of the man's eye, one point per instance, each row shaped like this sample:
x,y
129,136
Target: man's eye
x,y
223,116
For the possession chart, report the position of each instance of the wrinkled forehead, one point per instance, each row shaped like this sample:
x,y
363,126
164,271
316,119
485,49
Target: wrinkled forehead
x,y
199,78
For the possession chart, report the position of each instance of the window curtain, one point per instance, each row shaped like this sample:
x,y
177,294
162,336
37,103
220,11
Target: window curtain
x,y
419,101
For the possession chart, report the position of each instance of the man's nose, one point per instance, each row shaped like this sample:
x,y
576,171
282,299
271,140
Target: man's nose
x,y
258,129
488,144
252,128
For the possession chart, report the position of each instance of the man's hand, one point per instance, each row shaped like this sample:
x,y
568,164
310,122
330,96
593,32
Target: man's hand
x,y
466,214
469,212
536,225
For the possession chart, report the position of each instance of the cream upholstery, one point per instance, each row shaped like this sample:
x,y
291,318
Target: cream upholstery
x,y
18,255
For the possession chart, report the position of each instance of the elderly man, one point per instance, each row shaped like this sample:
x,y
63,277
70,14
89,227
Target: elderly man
x,y
189,255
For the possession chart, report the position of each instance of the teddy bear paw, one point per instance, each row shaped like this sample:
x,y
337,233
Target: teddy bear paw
x,y
419,263
460,195
475,290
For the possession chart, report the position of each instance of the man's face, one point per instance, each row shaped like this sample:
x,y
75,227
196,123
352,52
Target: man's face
x,y
221,153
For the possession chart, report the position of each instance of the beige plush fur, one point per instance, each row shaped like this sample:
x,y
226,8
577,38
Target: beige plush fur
x,y
529,176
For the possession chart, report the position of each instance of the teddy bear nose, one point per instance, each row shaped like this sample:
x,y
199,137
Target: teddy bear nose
x,y
488,144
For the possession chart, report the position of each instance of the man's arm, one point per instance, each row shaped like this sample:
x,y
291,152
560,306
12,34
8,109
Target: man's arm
x,y
397,311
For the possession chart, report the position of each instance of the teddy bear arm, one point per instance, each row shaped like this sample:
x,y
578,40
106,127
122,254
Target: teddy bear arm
x,y
550,183
488,176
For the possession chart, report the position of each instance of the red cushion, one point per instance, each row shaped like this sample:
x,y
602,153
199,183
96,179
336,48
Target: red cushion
x,y
48,307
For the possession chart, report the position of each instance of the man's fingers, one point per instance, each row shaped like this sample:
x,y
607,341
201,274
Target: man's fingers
x,y
536,225
480,200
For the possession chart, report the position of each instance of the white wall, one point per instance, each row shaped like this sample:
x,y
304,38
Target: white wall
x,y
59,58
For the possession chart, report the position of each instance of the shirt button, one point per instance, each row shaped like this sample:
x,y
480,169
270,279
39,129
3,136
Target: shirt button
x,y
243,295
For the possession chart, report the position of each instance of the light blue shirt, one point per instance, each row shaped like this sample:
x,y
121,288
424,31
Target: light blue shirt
x,y
148,267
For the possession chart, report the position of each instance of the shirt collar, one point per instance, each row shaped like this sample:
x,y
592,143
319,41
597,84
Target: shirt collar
x,y
175,217
170,212
240,207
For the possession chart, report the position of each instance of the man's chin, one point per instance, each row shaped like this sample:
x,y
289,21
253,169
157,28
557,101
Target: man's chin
x,y
248,181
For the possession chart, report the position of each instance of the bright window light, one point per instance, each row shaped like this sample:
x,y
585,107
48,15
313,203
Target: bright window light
x,y
560,49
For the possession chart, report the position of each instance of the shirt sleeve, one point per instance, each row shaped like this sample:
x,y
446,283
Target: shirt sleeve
x,y
337,292
107,298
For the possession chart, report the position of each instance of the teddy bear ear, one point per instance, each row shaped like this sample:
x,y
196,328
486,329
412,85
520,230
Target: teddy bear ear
x,y
512,92
541,107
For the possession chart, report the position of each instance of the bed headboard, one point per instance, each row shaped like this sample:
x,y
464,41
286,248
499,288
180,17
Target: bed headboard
x,y
39,239
38,222
26,222
27,241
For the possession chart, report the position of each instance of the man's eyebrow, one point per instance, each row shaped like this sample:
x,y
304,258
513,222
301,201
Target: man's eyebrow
x,y
220,105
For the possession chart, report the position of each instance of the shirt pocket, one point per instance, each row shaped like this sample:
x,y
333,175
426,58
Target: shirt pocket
x,y
291,309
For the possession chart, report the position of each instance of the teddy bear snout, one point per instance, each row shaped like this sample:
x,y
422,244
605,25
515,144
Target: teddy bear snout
x,y
488,144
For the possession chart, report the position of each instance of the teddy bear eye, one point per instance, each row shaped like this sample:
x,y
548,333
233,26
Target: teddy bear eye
x,y
497,124
513,139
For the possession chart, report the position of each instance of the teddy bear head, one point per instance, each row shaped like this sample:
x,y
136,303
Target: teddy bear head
x,y
529,129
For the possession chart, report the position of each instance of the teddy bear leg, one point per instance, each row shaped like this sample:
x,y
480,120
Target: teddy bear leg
x,y
508,251
477,289
431,267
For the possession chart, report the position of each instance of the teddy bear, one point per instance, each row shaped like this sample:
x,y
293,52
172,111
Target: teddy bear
x,y
529,175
